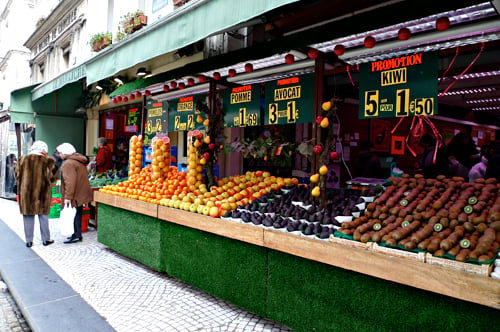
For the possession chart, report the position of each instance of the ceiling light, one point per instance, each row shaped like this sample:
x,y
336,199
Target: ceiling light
x,y
118,79
486,108
469,91
142,72
483,100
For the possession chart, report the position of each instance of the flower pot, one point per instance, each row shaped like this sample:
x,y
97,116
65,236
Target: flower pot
x,y
138,22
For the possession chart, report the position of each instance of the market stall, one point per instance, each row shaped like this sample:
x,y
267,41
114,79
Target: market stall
x,y
302,282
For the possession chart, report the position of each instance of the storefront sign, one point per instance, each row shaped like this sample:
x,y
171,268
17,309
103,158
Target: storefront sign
x,y
242,106
399,87
289,100
156,119
183,113
132,120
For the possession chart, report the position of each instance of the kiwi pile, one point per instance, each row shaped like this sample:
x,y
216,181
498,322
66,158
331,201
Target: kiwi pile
x,y
443,216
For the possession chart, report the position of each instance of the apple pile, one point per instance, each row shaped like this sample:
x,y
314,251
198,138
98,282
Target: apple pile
x,y
445,217
228,195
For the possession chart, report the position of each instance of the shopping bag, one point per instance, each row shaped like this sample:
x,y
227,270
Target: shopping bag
x,y
66,219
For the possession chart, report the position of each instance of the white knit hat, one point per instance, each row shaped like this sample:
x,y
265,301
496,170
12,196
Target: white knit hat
x,y
66,149
38,147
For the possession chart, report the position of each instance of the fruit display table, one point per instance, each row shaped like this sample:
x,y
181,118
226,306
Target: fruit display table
x,y
307,284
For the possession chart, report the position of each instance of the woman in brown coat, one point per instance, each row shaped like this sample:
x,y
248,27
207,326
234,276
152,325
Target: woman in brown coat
x,y
75,185
35,173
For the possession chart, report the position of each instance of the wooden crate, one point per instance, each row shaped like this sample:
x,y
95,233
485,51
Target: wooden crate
x,y
482,270
416,256
351,243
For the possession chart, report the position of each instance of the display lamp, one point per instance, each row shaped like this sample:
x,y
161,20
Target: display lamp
x,y
147,93
182,85
138,94
119,99
217,75
442,23
312,53
231,72
248,67
173,84
131,96
404,34
125,99
190,81
369,42
118,79
202,78
166,88
289,59
339,50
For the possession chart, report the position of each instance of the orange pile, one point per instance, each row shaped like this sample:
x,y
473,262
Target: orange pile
x,y
142,187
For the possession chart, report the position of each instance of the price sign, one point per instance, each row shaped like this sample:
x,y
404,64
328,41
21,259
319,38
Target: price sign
x,y
289,100
399,87
183,114
132,120
242,106
156,120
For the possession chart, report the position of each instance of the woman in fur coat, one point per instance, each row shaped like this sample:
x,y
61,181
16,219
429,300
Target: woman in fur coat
x,y
35,173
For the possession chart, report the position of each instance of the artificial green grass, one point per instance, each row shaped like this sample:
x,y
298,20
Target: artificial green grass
x,y
232,270
311,296
131,234
302,294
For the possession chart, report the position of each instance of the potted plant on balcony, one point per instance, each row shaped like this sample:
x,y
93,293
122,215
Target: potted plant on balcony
x,y
139,20
133,21
100,41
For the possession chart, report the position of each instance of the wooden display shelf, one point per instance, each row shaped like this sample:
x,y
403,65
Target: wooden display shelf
x,y
148,209
457,284
230,229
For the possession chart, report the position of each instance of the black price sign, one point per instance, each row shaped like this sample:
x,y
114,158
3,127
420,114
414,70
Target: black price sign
x,y
183,115
399,87
156,120
132,120
242,106
289,100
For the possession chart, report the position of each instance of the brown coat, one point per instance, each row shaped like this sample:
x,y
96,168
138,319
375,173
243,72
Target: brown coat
x,y
75,184
35,174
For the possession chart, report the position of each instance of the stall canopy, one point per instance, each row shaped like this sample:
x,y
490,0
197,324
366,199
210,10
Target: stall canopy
x,y
197,20
20,105
60,81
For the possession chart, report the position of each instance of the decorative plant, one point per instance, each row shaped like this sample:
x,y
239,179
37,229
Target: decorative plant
x,y
101,40
270,145
133,21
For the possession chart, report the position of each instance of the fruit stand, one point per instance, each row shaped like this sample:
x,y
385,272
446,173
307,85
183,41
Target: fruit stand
x,y
299,281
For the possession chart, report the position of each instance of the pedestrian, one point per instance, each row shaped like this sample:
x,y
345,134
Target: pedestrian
x,y
433,165
104,158
75,185
10,179
478,171
368,164
35,173
463,149
493,168
120,158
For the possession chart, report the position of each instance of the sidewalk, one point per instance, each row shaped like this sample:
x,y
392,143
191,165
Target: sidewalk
x,y
127,295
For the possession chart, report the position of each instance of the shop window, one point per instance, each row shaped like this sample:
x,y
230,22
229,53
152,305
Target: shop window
x,y
66,51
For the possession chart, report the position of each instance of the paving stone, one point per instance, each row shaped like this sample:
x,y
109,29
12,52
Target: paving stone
x,y
129,295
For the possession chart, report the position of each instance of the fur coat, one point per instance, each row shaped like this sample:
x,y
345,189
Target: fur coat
x,y
35,174
75,184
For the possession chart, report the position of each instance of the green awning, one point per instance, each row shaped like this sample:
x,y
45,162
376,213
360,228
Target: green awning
x,y
21,109
69,76
129,87
197,20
